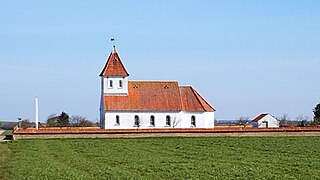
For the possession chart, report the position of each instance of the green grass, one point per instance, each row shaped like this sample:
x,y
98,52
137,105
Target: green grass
x,y
7,132
4,158
165,158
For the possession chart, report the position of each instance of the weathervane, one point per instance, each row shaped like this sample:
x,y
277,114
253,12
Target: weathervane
x,y
114,43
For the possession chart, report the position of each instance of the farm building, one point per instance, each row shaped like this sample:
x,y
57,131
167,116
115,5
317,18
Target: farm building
x,y
149,104
265,120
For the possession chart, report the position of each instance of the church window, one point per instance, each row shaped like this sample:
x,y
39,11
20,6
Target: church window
x,y
193,121
117,120
120,83
151,120
110,83
136,121
168,121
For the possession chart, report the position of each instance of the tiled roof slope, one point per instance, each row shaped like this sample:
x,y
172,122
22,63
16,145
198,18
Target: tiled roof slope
x,y
146,96
114,66
256,119
157,96
192,101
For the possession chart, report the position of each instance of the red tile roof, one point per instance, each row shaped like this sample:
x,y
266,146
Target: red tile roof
x,y
157,96
146,96
192,100
256,119
114,66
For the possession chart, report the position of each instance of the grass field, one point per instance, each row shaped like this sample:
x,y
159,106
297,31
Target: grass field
x,y
7,132
4,158
163,158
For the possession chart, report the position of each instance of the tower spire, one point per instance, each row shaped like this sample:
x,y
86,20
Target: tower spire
x,y
114,66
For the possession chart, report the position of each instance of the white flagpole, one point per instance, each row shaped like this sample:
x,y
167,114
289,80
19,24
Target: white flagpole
x,y
37,113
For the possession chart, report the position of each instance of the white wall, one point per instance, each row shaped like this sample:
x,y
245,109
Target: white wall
x,y
127,119
102,112
203,119
178,119
107,89
209,119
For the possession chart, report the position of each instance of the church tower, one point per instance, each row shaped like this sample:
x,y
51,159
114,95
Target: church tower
x,y
114,77
114,81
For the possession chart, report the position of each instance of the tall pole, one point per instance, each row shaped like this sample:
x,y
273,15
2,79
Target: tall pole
x,y
37,113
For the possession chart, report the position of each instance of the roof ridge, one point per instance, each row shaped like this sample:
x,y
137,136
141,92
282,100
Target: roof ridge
x,y
199,96
193,90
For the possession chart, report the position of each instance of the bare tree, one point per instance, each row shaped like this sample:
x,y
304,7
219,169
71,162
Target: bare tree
x,y
25,123
243,120
215,122
86,123
80,121
52,120
97,123
75,120
283,120
303,121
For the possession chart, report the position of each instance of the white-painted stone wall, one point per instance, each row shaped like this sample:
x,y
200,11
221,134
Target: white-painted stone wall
x,y
209,119
102,113
202,119
116,88
180,119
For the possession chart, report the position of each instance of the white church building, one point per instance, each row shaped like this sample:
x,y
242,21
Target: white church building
x,y
149,104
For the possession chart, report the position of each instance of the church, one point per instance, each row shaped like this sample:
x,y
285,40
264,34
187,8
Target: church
x,y
129,104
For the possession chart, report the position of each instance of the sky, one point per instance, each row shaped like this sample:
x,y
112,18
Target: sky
x,y
244,57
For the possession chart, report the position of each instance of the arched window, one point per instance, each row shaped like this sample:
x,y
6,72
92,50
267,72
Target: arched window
x,y
110,83
152,120
120,83
117,120
136,121
168,121
193,121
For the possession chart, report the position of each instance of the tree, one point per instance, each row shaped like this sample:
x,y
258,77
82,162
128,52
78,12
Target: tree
x,y
79,121
243,120
303,121
316,112
63,120
25,123
98,124
75,120
52,120
215,122
283,120
86,123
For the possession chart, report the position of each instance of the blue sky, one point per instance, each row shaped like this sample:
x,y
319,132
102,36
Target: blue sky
x,y
243,56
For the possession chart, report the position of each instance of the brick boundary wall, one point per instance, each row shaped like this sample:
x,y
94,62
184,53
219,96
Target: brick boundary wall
x,y
32,133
